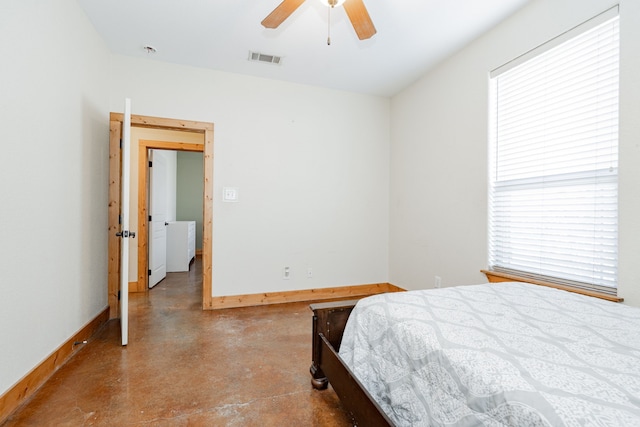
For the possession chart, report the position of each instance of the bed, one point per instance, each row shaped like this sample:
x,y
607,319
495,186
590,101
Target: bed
x,y
504,354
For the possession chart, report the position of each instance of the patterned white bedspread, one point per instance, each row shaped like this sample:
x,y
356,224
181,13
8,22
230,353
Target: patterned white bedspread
x,y
508,354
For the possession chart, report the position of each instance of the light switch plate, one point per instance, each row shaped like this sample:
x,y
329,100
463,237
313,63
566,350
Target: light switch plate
x,y
230,194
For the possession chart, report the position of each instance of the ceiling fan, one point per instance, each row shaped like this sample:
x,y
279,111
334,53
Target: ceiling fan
x,y
356,11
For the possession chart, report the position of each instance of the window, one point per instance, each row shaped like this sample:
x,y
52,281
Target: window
x,y
553,186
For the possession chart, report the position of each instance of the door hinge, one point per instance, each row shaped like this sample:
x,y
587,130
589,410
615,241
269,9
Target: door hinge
x,y
149,272
119,219
121,143
150,163
149,218
118,295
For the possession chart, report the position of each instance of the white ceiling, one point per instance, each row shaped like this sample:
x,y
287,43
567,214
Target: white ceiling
x,y
413,35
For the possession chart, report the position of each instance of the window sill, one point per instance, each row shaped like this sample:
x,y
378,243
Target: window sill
x,y
495,277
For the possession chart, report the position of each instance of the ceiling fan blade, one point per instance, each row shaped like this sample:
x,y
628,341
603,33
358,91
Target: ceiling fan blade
x,y
280,13
359,18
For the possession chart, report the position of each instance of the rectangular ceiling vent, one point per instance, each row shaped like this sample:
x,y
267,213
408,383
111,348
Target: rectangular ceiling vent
x,y
261,57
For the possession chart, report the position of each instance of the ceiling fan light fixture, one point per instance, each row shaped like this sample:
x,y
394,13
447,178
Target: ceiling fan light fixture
x,y
332,3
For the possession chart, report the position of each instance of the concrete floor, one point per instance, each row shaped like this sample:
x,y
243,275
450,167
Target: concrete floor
x,y
188,367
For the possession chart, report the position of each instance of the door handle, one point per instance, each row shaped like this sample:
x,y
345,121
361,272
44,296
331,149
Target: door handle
x,y
126,233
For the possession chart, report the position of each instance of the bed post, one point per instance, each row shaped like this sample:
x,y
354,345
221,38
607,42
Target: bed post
x,y
329,319
318,378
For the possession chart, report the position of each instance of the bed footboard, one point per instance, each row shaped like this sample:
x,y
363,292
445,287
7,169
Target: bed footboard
x,y
329,321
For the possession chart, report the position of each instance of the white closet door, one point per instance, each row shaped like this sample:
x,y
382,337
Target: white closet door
x,y
157,225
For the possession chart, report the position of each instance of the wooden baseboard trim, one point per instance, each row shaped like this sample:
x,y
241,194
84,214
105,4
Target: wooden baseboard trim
x,y
320,294
24,389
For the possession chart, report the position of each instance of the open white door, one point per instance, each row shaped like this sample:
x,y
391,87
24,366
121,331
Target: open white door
x,y
124,231
158,215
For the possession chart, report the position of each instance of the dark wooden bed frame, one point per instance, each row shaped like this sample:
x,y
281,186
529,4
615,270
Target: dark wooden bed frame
x,y
329,321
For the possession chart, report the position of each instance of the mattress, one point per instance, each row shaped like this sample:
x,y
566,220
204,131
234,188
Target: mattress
x,y
507,354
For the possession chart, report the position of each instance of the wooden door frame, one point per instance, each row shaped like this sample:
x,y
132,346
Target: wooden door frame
x,y
115,134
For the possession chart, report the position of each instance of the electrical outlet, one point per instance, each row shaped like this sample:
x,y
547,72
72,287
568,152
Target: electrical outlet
x,y
286,273
438,281
309,273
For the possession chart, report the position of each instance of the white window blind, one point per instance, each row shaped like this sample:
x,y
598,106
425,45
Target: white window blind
x,y
553,187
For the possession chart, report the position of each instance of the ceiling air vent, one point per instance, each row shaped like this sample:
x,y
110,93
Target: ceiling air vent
x,y
261,57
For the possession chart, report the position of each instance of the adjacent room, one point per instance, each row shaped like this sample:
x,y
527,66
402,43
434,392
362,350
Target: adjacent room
x,y
323,151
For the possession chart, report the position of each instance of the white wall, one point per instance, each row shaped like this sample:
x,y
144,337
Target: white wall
x,y
438,204
629,180
311,166
171,184
53,179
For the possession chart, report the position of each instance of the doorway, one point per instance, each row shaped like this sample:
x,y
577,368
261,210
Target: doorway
x,y
115,134
144,147
174,202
